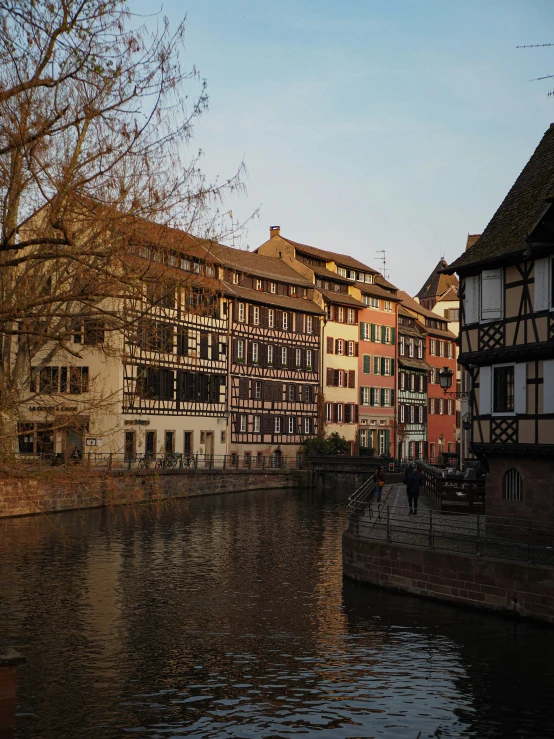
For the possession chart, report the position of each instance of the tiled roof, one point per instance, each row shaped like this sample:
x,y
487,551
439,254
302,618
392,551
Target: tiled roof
x,y
519,212
450,294
412,305
376,291
419,364
341,298
323,272
281,301
380,280
330,256
472,239
437,283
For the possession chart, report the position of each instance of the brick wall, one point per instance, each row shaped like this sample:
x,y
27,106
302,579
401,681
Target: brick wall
x,y
81,490
538,488
509,587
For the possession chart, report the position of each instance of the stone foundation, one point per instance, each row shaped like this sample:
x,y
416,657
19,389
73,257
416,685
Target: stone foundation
x,y
59,492
510,587
538,489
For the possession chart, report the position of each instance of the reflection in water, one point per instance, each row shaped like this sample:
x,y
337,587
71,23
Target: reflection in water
x,y
229,618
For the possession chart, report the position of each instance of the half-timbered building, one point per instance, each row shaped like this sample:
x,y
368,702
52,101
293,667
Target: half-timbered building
x,y
274,362
413,373
507,342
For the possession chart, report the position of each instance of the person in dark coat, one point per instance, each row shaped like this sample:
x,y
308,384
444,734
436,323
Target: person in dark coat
x,y
379,477
413,482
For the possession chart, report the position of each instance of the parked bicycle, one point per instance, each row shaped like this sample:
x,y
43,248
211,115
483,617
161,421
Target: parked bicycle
x,y
170,461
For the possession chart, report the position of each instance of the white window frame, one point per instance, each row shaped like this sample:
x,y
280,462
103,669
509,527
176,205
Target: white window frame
x,y
240,349
340,314
258,284
271,318
284,356
402,381
329,412
285,321
256,315
272,287
258,390
412,414
309,359
350,348
242,313
306,425
243,424
420,349
255,352
257,424
387,305
351,316
339,347
441,348
387,335
433,347
378,334
491,280
402,413
292,423
270,354
386,396
410,347
277,425
402,347
309,324
292,291
340,413
365,395
431,406
298,357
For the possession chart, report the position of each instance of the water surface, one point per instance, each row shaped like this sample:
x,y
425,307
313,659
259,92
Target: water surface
x,y
229,617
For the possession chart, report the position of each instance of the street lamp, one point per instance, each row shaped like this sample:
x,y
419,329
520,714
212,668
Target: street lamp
x,y
445,380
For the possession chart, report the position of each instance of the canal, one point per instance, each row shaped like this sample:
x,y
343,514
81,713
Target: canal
x,y
228,617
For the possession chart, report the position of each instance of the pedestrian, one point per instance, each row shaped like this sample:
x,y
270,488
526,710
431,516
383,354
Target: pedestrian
x,y
413,482
379,477
76,453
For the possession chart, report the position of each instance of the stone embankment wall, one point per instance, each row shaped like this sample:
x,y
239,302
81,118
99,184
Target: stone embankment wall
x,y
59,492
499,585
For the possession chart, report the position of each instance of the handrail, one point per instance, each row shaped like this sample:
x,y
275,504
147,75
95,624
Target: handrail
x,y
360,497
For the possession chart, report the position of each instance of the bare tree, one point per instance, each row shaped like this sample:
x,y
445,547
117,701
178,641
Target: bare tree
x,y
95,125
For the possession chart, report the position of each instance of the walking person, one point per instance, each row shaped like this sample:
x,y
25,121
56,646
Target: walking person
x,y
379,477
413,482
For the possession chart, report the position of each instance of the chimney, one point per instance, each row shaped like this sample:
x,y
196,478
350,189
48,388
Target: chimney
x,y
274,231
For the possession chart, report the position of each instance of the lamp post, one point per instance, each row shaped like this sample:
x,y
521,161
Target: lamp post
x,y
445,380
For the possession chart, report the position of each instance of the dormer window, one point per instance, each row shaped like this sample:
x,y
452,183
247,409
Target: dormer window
x,y
292,290
369,278
352,275
259,285
336,287
341,271
185,265
235,278
272,287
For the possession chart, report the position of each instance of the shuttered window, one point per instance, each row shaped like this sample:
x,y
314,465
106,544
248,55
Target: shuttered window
x,y
492,294
542,284
471,299
366,364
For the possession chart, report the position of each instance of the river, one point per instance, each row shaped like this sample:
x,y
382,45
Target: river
x,y
228,617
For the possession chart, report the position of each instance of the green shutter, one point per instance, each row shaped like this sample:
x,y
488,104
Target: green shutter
x,y
392,367
383,365
382,397
383,334
387,442
366,369
361,396
362,330
392,335
372,331
392,398
371,396
376,365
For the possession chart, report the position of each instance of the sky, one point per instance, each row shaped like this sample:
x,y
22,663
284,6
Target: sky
x,y
369,125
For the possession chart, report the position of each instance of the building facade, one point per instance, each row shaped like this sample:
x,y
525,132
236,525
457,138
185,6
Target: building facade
x,y
507,347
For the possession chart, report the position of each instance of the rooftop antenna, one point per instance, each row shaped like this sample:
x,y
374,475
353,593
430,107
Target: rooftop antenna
x,y
383,259
544,77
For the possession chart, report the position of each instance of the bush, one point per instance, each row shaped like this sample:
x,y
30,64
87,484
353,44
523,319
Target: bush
x,y
333,444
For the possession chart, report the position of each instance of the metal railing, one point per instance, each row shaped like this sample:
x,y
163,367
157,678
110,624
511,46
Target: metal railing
x,y
482,536
122,461
451,492
361,497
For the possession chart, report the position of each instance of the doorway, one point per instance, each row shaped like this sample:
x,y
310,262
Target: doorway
x,y
150,445
169,443
130,446
209,443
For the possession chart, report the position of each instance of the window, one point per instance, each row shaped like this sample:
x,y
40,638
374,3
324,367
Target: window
x,y
307,393
340,314
450,407
292,291
271,318
243,420
441,348
277,425
341,271
351,274
308,359
421,384
298,357
258,284
402,413
284,356
48,380
387,335
255,353
78,380
350,348
376,365
412,414
306,425
439,404
366,364
410,347
292,422
401,350
412,383
431,408
256,315
240,349
365,396
512,488
453,314
387,366
433,347
420,349
242,312
450,350
387,305
272,287
309,324
386,396
351,316
270,354
235,278
402,381
340,374
378,334
285,321
258,390
492,294
338,408
375,303
503,389
292,392
329,412
339,346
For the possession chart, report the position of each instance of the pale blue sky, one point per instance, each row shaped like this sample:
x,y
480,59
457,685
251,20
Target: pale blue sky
x,y
371,124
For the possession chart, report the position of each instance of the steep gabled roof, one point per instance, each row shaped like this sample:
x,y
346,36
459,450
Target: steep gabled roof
x,y
520,211
437,284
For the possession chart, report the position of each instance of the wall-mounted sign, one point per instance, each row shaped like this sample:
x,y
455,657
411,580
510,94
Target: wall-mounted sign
x,y
91,442
59,408
136,422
